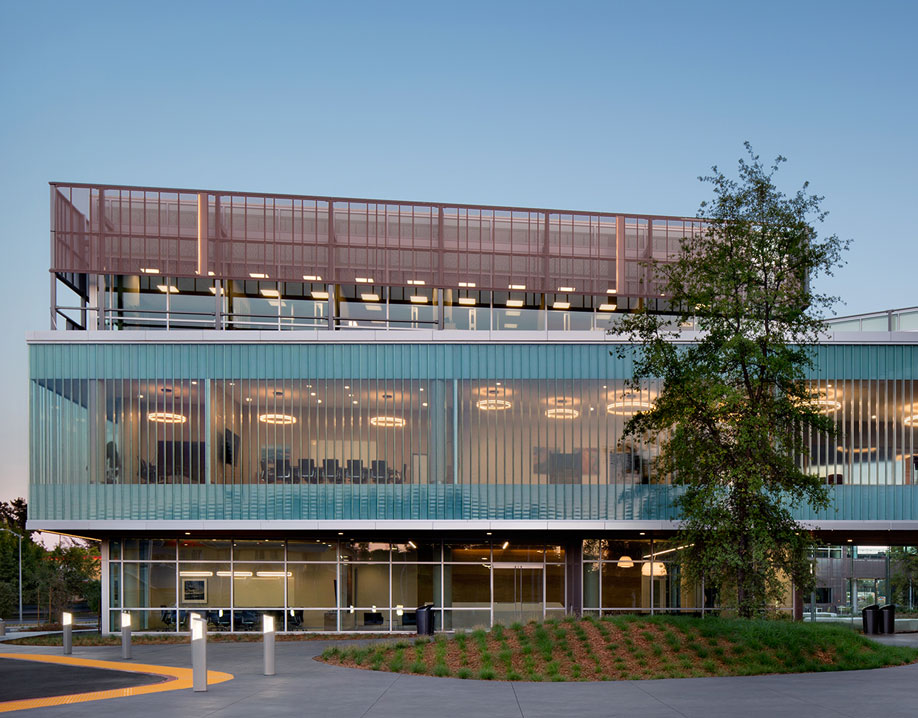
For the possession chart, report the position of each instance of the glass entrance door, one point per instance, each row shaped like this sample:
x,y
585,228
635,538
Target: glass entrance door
x,y
518,592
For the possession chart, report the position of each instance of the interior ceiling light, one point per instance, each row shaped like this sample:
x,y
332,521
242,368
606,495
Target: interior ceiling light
x,y
167,288
418,299
274,574
625,562
628,406
493,404
565,289
312,277
369,297
213,290
561,401
520,287
417,282
611,291
235,574
166,417
467,301
281,419
272,293
909,420
258,275
388,422
514,302
657,567
604,307
857,450
561,305
495,391
196,574
149,270
467,284
365,280
562,413
320,295
824,401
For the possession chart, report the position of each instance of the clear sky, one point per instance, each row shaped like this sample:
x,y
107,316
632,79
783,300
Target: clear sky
x,y
614,106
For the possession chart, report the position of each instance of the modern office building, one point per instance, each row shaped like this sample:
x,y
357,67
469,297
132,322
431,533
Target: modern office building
x,y
336,410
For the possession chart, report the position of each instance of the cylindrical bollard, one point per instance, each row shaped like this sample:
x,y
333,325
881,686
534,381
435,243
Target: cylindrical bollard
x,y
198,652
125,634
268,630
67,621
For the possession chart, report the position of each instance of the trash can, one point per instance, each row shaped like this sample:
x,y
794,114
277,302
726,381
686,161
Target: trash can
x,y
425,620
871,616
888,618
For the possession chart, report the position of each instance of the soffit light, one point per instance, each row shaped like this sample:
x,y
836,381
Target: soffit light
x,y
561,305
258,275
271,293
418,299
312,277
167,288
149,270
388,422
467,301
493,404
514,302
467,285
166,417
520,287
625,562
369,297
565,289
611,291
608,307
562,413
658,569
281,419
417,282
365,280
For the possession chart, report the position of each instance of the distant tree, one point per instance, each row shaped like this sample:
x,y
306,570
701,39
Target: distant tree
x,y
904,579
734,409
14,513
67,573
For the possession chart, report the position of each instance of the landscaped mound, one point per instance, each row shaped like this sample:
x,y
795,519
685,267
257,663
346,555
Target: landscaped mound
x,y
628,647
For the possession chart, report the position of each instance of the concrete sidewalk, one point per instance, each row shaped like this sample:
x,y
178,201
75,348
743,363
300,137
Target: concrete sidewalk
x,y
304,687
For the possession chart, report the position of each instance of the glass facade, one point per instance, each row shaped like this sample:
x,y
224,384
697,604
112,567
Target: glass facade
x,y
332,584
410,431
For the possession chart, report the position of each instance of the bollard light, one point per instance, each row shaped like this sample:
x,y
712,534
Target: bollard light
x,y
198,653
268,630
67,621
125,634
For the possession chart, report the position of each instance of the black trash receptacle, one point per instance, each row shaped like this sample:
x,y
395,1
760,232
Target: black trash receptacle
x,y
871,615
425,621
888,618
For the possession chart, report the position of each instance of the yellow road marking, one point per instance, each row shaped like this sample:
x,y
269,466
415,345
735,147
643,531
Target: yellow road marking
x,y
177,679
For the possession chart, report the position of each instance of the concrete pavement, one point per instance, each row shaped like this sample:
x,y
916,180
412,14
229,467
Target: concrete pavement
x,y
305,687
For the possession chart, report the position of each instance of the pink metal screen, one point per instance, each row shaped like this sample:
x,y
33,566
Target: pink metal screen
x,y
103,229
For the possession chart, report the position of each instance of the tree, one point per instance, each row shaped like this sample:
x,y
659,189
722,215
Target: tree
x,y
904,580
733,409
14,513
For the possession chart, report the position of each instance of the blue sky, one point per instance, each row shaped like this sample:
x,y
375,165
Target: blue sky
x,y
605,106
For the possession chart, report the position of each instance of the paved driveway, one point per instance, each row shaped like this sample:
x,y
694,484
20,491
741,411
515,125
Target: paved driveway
x,y
304,687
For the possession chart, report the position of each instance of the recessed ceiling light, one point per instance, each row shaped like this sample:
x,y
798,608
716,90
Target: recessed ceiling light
x,y
561,305
418,299
468,284
149,270
320,295
466,301
520,287
312,277
369,297
258,275
607,307
167,288
417,282
270,293
365,280
611,291
424,404
514,302
565,289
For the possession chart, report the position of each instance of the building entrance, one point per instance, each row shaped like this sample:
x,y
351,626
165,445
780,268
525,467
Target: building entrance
x,y
519,592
